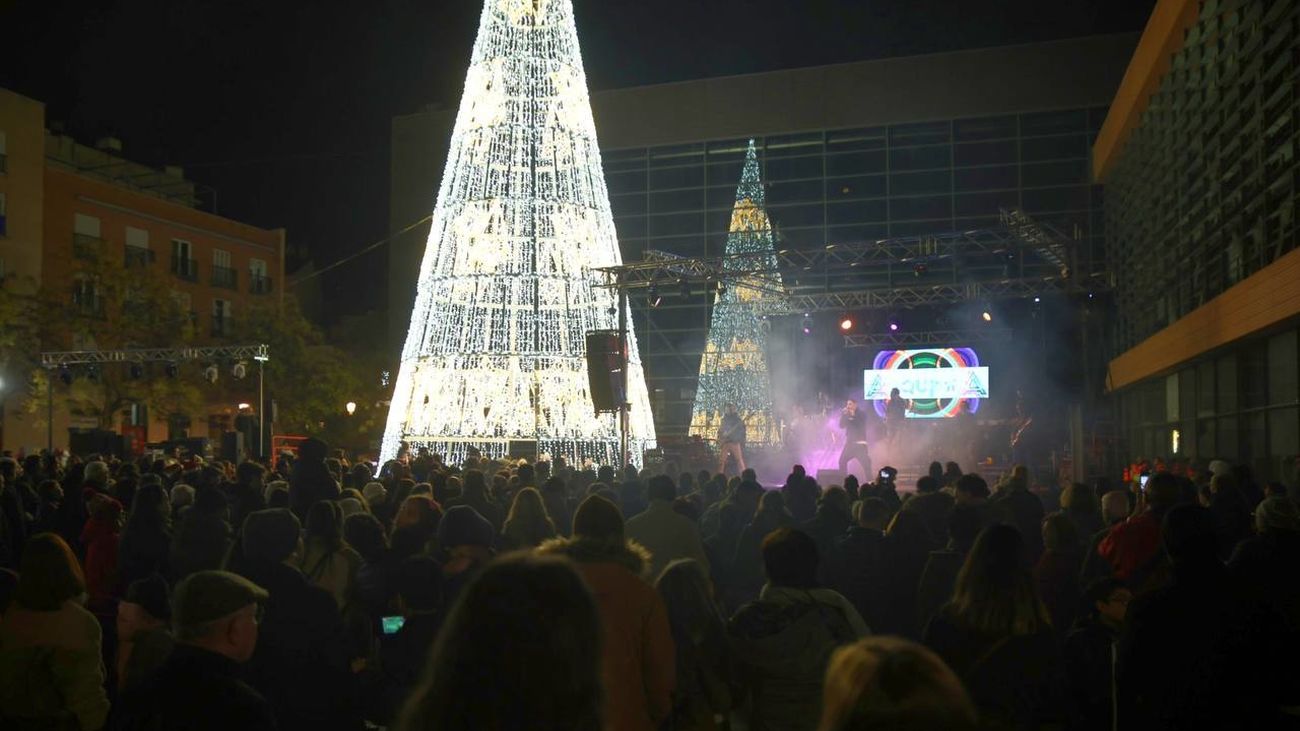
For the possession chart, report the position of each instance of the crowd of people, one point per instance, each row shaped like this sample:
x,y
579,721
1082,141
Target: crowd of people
x,y
506,594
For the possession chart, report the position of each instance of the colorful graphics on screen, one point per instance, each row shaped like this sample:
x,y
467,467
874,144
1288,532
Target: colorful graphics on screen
x,y
936,381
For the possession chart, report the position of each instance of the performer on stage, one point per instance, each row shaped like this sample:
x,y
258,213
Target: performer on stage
x,y
896,416
731,439
854,424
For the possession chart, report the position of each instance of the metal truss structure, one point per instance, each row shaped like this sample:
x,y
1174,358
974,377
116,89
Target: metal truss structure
x,y
57,359
928,337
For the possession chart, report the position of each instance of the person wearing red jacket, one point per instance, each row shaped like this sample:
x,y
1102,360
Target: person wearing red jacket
x,y
100,539
1132,547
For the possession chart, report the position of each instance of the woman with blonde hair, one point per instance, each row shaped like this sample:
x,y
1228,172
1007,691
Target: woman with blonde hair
x,y
528,523
889,684
996,635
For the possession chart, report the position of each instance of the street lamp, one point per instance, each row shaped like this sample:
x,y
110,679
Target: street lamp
x,y
351,407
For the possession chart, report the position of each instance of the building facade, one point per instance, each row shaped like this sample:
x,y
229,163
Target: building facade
x,y
1198,159
848,153
85,215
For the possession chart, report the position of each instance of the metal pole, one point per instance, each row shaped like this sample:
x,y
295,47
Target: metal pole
x,y
49,426
622,348
261,409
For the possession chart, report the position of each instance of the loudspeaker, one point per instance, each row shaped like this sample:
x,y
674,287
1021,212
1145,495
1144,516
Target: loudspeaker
x,y
826,478
232,446
605,377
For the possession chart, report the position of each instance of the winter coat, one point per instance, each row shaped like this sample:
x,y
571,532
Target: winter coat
x,y
668,536
100,538
782,644
483,506
1022,510
1130,546
903,558
747,567
300,664
638,664
194,690
1016,681
311,480
333,571
937,583
51,669
1201,653
827,526
1090,668
141,552
200,543
855,568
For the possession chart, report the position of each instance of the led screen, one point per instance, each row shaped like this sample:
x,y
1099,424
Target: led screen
x,y
936,381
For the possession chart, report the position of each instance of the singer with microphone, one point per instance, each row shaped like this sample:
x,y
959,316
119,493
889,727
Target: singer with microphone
x,y
854,424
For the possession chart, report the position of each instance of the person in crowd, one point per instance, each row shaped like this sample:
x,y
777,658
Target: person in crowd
x,y
886,488
1015,505
1231,513
182,497
465,541
376,496
1114,510
474,493
971,489
51,667
13,522
528,524
705,673
638,663
833,518
49,495
951,473
1089,653
301,664
747,564
199,686
1057,571
942,566
521,650
1080,505
311,480
932,505
733,513
1132,548
327,560
904,553
667,535
101,539
416,526
855,564
555,495
249,491
1202,620
1273,552
893,683
784,639
203,537
403,654
996,635
147,538
143,639
374,583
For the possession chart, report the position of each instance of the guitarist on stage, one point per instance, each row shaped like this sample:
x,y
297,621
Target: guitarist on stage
x,y
731,439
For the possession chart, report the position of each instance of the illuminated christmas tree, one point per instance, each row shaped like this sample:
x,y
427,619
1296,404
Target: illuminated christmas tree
x,y
495,350
733,369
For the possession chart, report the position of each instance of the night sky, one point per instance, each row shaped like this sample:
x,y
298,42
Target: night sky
x,y
283,106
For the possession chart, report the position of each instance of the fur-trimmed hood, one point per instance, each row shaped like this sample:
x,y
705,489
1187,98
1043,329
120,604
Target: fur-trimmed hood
x,y
629,554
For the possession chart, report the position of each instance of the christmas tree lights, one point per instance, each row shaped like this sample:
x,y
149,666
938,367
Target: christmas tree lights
x,y
495,350
733,369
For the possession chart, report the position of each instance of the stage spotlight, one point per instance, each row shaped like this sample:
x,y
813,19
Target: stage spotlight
x,y
986,316
137,371
172,370
211,373
239,370
846,323
65,375
652,295
919,269
1037,300
684,286
807,324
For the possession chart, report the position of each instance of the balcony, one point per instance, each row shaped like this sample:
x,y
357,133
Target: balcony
x,y
138,256
221,326
259,284
224,277
187,269
85,246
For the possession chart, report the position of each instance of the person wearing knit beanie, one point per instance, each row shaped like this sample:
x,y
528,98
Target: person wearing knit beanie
x,y
466,538
599,519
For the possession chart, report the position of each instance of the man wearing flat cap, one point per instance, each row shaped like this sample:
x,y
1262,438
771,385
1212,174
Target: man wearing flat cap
x,y
215,616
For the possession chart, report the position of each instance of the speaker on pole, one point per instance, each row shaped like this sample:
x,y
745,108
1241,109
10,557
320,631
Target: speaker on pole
x,y
605,370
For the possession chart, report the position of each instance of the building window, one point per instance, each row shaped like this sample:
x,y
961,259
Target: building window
x,y
258,281
183,263
85,297
86,243
220,318
138,252
223,275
